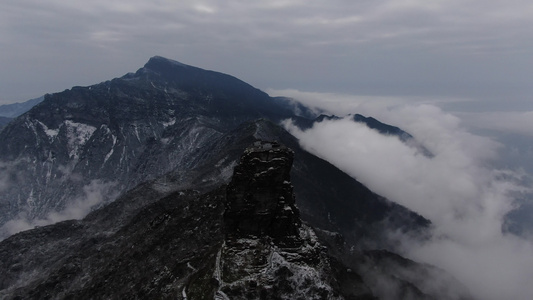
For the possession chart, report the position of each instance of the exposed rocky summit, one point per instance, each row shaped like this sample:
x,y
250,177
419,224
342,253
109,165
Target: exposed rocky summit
x,y
260,200
268,253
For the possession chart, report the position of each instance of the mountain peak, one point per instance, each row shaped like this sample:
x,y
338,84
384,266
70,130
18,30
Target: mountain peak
x,y
159,61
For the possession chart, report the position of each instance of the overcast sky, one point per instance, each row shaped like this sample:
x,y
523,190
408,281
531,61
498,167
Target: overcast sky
x,y
465,49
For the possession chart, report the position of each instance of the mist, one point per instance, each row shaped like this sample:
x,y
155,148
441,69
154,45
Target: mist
x,y
93,195
458,189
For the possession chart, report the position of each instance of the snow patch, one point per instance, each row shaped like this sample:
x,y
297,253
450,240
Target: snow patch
x,y
77,135
304,278
137,132
227,171
217,272
108,155
191,267
220,295
51,133
171,122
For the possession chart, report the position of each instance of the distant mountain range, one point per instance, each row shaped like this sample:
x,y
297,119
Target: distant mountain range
x,y
10,111
4,121
151,154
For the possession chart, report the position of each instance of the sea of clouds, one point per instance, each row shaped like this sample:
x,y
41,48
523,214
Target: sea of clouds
x,y
460,190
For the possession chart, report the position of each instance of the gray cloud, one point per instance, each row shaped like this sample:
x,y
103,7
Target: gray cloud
x,y
94,194
504,122
512,129
466,198
342,104
380,47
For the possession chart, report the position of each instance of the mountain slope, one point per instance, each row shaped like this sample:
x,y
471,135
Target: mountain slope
x,y
119,133
189,245
85,146
182,245
150,154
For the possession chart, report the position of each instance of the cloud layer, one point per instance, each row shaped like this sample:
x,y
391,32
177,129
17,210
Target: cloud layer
x,y
94,194
465,197
387,47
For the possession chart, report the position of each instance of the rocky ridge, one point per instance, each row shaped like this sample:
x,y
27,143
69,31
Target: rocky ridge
x,y
177,125
268,253
260,200
191,245
187,246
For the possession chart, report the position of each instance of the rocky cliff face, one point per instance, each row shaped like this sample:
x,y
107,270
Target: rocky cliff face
x,y
260,201
267,252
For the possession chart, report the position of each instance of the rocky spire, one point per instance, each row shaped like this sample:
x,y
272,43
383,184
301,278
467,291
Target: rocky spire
x,y
260,199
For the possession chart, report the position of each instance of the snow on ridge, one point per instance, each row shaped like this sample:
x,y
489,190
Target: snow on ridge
x,y
108,155
77,135
51,133
171,122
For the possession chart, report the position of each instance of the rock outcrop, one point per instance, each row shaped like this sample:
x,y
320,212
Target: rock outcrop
x,y
260,199
267,252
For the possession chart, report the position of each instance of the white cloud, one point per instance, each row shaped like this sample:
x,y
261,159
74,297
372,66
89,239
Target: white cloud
x,y
204,8
458,190
342,104
94,194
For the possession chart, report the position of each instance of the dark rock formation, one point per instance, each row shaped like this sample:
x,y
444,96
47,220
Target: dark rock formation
x,y
260,200
268,253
